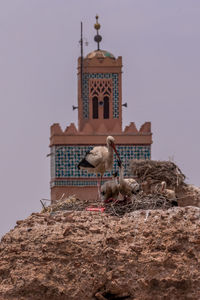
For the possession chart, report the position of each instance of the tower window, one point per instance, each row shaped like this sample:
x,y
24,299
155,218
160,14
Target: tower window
x,y
95,110
106,107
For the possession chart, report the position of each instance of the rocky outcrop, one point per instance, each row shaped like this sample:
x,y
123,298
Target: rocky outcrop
x,y
152,254
188,195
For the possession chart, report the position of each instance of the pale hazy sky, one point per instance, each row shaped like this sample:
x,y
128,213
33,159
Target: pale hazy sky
x,y
159,41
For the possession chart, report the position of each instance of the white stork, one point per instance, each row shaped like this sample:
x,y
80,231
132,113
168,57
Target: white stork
x,y
99,159
128,186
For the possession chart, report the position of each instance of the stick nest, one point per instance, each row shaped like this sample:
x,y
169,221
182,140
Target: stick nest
x,y
117,208
67,204
157,171
140,201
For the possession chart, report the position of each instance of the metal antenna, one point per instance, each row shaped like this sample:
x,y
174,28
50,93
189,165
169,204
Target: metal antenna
x,y
81,43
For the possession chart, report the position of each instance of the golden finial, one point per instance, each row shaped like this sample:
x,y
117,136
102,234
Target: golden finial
x,y
97,37
97,26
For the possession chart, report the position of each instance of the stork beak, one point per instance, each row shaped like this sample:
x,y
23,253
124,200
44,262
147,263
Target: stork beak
x,y
113,145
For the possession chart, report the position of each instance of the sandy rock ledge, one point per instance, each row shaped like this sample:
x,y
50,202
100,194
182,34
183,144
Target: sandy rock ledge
x,y
144,255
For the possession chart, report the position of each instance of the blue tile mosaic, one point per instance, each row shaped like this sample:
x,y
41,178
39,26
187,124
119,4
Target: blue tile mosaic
x,y
65,159
115,81
74,183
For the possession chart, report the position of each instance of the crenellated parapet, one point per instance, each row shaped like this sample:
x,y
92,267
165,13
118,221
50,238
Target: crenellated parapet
x,y
131,128
55,129
145,128
88,129
71,129
71,135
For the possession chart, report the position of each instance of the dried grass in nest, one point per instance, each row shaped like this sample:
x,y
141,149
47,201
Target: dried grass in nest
x,y
140,201
157,171
118,208
67,203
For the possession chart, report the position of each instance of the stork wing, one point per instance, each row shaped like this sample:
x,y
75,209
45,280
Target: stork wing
x,y
95,156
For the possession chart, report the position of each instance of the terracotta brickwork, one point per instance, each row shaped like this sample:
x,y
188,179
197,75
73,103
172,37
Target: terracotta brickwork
x,y
99,115
85,192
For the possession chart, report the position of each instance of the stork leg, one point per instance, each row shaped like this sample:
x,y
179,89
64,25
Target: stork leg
x,y
99,187
100,180
99,191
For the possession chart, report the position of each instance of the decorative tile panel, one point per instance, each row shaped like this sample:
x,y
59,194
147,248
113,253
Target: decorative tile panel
x,y
74,183
65,159
115,96
115,82
53,166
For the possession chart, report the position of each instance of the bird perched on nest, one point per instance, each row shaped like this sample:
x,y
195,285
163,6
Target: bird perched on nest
x,y
127,186
110,190
162,189
168,193
99,159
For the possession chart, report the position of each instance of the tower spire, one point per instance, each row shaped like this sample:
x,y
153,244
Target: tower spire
x,y
97,37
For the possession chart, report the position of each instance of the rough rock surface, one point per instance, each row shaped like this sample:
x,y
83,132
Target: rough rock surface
x,y
144,255
188,195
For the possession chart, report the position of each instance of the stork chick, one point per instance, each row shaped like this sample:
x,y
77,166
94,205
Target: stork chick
x,y
146,186
110,190
168,193
128,186
99,159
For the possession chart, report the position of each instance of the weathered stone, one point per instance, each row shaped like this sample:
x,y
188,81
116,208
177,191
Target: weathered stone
x,y
139,256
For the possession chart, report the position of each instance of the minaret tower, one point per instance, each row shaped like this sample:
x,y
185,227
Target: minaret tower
x,y
99,90
99,115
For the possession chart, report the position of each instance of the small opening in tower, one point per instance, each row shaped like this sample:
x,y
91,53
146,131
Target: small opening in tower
x,y
106,107
95,109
